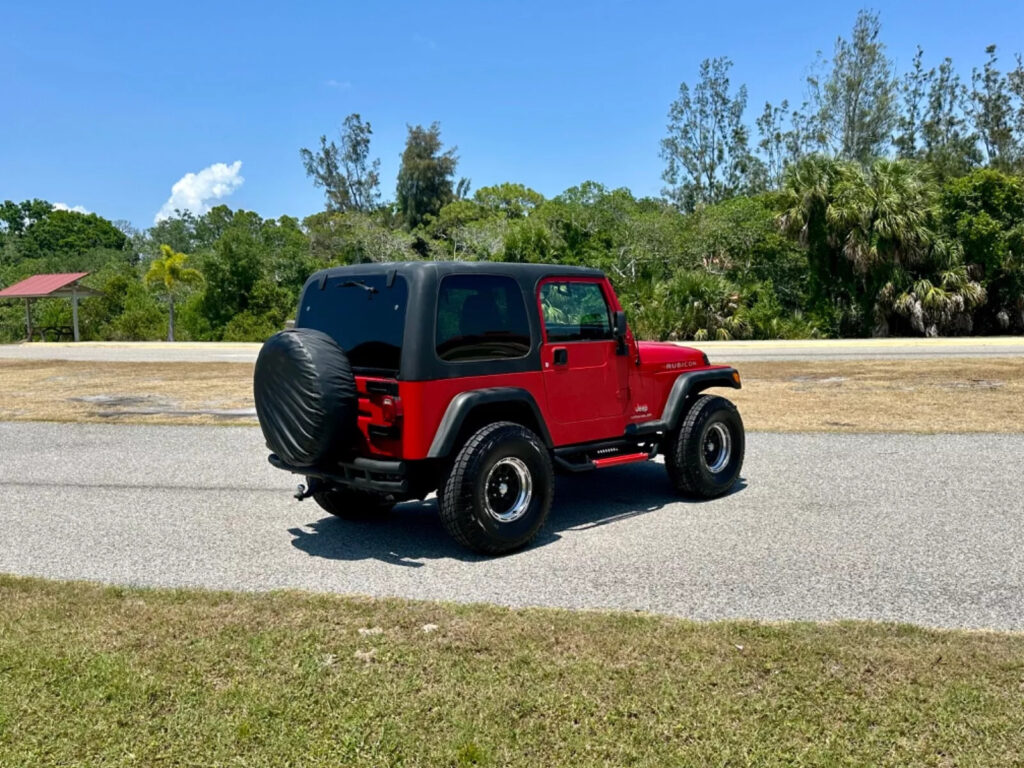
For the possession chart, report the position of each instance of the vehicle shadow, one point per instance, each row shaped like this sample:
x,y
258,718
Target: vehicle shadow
x,y
413,533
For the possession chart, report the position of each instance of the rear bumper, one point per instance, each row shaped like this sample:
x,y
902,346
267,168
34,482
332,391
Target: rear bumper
x,y
363,474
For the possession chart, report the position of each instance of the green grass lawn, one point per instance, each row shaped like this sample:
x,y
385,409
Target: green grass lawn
x,y
99,676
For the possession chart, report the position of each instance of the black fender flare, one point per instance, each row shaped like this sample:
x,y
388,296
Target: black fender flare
x,y
692,383
464,403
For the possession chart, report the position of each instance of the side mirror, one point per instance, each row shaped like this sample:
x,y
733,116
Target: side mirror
x,y
620,324
620,332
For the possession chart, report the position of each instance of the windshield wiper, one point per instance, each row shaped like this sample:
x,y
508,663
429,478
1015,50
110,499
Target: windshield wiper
x,y
358,284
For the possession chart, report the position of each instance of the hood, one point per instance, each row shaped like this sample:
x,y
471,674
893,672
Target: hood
x,y
664,356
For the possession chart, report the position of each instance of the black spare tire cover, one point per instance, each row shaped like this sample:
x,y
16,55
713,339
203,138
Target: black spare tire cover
x,y
305,396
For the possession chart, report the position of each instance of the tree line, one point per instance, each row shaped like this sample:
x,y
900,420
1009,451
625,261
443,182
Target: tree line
x,y
885,203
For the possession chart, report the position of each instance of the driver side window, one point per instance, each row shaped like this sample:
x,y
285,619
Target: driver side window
x,y
575,311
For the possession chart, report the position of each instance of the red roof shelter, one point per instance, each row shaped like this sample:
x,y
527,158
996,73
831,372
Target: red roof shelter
x,y
60,286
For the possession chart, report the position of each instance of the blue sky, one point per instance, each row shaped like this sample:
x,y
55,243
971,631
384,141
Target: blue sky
x,y
107,105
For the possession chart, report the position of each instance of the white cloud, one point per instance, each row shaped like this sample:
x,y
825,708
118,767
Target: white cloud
x,y
341,85
195,191
66,207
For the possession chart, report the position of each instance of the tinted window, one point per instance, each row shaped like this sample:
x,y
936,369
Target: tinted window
x,y
575,312
362,314
481,317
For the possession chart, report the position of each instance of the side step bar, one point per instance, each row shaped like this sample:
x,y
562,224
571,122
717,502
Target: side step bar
x,y
561,459
613,461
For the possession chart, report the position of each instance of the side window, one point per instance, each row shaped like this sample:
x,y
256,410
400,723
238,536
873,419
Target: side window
x,y
481,317
575,312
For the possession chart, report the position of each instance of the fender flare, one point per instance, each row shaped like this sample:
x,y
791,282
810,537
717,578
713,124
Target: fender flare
x,y
693,383
463,404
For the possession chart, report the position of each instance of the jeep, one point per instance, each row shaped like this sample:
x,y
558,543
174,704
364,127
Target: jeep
x,y
480,381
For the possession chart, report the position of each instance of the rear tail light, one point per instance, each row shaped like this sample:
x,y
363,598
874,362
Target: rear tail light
x,y
391,409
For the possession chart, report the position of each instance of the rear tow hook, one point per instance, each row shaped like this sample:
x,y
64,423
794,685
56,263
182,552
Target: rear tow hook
x,y
304,492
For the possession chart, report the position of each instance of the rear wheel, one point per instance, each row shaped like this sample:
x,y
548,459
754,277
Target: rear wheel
x,y
498,493
705,455
351,504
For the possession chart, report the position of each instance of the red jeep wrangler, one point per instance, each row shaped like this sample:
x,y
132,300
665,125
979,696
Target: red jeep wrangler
x,y
479,381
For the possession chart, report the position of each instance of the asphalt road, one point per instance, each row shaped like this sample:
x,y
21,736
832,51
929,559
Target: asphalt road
x,y
925,529
718,351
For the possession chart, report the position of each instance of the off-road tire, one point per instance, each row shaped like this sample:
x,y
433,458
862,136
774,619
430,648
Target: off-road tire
x,y
699,436
350,504
496,456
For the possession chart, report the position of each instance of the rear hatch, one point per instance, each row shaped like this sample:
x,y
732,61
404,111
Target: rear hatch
x,y
365,313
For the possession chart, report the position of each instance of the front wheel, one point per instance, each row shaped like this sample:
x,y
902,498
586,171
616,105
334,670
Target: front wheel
x,y
498,493
704,456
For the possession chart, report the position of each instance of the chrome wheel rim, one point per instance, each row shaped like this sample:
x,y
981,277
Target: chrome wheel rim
x,y
508,490
717,448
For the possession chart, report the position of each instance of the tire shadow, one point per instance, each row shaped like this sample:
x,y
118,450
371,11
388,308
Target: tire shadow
x,y
413,533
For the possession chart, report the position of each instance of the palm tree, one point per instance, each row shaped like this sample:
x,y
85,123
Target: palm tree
x,y
934,306
704,306
807,197
873,217
170,278
861,227
883,217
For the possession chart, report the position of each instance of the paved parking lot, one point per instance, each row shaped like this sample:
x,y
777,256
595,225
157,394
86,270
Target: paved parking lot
x,y
926,529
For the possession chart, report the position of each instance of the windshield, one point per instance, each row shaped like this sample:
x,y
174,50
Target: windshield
x,y
363,314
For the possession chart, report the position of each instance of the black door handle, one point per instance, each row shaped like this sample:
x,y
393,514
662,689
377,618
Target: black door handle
x,y
562,356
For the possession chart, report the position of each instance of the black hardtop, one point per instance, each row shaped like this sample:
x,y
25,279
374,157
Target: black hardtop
x,y
415,271
419,361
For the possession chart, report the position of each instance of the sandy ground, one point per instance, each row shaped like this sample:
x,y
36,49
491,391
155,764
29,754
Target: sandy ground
x,y
941,395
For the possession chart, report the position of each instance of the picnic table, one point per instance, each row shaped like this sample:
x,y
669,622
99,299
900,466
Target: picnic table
x,y
54,333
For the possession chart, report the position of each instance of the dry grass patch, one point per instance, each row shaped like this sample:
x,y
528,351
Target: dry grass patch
x,y
137,393
948,395
114,676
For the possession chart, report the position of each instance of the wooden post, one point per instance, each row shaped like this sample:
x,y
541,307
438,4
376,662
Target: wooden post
x,y
28,318
74,312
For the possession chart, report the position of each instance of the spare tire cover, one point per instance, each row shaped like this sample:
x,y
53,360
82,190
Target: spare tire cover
x,y
306,397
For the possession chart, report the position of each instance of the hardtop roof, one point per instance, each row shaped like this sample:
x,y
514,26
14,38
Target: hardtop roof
x,y
419,361
415,269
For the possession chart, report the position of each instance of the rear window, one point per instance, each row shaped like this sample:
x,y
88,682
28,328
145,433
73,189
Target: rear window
x,y
481,317
364,315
